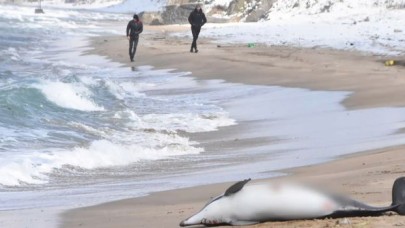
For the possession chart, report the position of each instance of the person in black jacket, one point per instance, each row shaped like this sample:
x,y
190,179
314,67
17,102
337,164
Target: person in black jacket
x,y
134,28
197,19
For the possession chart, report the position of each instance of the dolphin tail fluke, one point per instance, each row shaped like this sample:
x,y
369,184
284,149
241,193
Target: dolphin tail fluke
x,y
398,195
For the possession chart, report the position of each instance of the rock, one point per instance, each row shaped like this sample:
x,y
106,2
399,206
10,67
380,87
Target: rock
x,y
177,14
151,18
177,11
261,11
236,6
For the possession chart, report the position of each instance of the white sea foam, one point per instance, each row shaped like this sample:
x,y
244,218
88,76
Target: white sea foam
x,y
83,127
66,95
12,53
123,90
188,122
128,114
34,168
122,148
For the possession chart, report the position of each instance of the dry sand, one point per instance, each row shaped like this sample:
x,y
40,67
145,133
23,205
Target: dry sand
x,y
366,176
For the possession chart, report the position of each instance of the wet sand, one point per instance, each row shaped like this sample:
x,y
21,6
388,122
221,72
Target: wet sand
x,y
366,176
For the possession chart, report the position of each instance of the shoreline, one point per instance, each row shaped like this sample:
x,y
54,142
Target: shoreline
x,y
365,176
315,69
311,68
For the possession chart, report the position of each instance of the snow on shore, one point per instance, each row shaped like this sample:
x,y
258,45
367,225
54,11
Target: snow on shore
x,y
374,26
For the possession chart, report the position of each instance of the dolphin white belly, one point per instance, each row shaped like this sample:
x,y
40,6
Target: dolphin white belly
x,y
270,202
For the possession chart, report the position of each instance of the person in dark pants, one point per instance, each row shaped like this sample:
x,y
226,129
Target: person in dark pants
x,y
197,19
134,28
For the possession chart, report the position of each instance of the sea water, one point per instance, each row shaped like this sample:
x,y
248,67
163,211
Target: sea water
x,y
68,121
78,130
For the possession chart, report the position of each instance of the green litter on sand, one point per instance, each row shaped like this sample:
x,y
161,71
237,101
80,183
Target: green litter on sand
x,y
251,45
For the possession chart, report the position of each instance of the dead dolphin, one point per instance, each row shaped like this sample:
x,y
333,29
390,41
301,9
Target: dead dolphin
x,y
256,203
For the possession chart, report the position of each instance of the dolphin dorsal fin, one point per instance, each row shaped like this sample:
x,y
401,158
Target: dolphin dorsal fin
x,y
236,187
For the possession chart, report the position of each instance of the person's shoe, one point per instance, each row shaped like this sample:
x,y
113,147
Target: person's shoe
x,y
132,60
196,50
191,50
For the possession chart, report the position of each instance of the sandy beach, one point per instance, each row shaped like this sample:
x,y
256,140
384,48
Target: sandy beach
x,y
366,176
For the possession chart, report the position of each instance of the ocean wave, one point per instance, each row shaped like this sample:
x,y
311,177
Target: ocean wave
x,y
70,96
35,167
60,111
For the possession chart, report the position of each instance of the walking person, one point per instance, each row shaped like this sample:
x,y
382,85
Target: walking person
x,y
197,19
134,28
